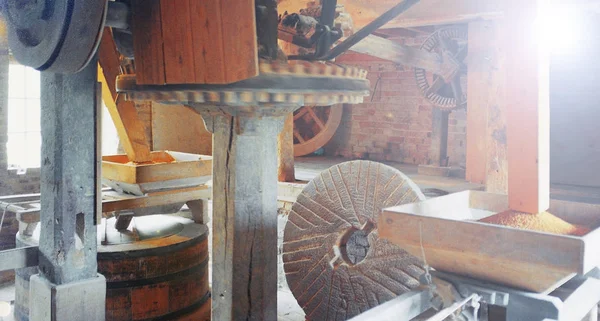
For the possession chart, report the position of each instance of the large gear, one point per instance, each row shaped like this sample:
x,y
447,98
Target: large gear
x,y
296,83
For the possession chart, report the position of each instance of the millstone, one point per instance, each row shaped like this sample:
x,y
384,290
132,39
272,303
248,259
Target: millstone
x,y
335,263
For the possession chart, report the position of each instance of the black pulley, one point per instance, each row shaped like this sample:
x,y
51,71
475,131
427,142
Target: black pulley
x,y
54,35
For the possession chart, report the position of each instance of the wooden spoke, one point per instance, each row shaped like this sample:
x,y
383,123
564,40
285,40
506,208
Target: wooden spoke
x,y
298,136
300,113
437,84
456,90
315,117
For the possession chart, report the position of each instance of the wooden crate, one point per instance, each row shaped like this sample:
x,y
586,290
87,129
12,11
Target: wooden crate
x,y
446,229
186,171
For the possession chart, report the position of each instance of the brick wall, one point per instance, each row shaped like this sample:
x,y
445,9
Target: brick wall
x,y
394,123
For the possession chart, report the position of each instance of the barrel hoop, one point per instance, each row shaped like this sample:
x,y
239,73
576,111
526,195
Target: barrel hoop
x,y
168,277
179,313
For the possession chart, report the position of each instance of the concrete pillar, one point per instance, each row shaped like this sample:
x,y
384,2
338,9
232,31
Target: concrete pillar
x,y
68,286
244,285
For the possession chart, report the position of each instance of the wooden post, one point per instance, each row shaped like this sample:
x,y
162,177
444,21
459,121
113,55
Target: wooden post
x,y
486,113
244,285
285,151
527,95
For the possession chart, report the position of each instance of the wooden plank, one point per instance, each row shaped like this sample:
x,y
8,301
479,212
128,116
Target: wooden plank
x,y
130,129
148,42
478,93
207,38
405,55
285,151
239,39
516,258
178,44
113,201
527,95
114,168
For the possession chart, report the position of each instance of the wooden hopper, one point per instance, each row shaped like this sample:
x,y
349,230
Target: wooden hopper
x,y
446,229
187,170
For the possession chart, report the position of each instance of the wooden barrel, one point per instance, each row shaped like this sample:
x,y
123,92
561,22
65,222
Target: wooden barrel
x,y
157,270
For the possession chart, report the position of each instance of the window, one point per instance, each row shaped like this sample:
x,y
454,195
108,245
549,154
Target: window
x,y
24,133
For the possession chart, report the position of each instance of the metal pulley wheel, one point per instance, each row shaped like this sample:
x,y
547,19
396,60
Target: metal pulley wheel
x,y
335,264
54,35
446,94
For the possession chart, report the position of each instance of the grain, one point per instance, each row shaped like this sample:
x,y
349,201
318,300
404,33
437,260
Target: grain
x,y
542,222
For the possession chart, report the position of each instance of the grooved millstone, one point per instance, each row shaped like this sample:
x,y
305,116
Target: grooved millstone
x,y
340,198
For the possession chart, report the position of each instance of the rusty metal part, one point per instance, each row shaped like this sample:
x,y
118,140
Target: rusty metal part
x,y
314,126
294,84
336,266
57,36
445,91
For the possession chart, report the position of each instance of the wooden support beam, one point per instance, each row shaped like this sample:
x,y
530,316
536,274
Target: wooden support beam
x,y
123,113
285,151
527,95
244,222
405,55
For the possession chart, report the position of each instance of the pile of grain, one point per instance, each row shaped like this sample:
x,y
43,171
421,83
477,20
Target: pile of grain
x,y
542,222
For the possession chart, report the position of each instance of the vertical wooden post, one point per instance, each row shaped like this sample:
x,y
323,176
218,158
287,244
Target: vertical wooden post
x,y
527,94
478,93
486,114
285,151
244,221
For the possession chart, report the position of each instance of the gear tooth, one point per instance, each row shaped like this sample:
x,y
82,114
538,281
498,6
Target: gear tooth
x,y
295,98
197,97
262,97
265,68
278,98
310,99
230,97
247,97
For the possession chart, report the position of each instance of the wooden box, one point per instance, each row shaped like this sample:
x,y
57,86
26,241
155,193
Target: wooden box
x,y
138,179
453,240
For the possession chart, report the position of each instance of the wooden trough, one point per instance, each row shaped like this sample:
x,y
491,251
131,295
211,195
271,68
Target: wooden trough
x,y
446,230
167,170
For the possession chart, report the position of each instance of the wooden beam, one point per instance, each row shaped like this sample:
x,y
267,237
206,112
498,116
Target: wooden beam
x,y
123,113
527,95
478,79
285,151
405,55
425,13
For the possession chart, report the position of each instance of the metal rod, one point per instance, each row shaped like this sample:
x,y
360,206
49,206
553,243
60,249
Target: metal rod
x,y
403,308
327,12
368,29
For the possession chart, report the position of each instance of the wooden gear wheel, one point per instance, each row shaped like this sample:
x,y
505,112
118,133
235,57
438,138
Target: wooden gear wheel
x,y
314,126
446,94
335,264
